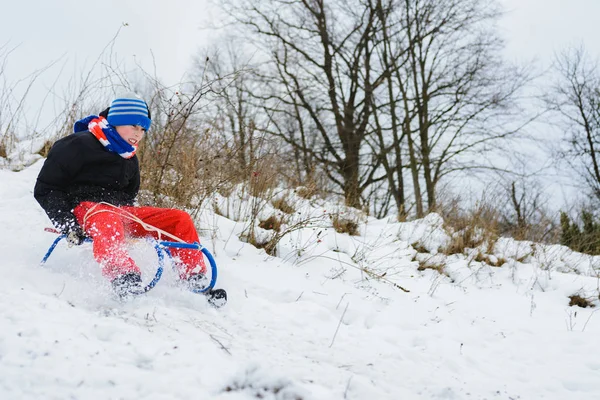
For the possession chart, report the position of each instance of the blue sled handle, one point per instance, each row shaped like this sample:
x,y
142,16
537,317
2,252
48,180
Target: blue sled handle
x,y
161,248
196,246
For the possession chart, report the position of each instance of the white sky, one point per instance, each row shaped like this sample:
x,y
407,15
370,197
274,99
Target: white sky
x,y
538,28
79,30
173,31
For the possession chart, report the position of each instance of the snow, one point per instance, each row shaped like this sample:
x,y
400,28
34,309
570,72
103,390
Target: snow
x,y
310,323
24,153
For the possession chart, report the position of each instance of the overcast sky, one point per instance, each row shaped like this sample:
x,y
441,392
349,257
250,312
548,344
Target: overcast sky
x,y
538,28
77,30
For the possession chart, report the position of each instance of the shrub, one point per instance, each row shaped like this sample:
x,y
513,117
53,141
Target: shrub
x,y
440,268
419,247
271,223
283,205
307,192
472,228
343,225
585,239
45,149
3,150
263,175
490,260
268,244
577,300
426,261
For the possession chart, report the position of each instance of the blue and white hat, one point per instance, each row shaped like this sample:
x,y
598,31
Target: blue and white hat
x,y
129,109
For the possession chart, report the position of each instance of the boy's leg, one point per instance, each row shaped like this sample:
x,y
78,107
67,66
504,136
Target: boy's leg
x,y
175,222
106,228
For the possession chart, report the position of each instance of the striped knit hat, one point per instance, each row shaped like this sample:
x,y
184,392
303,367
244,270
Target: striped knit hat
x,y
129,109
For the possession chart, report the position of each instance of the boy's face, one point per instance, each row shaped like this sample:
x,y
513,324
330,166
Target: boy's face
x,y
132,134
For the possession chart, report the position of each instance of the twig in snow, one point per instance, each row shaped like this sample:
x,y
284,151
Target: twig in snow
x,y
220,344
570,322
347,387
153,316
339,273
532,307
299,296
588,320
339,323
61,290
371,274
340,302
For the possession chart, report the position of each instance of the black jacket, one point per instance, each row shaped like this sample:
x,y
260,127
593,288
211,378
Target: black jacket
x,y
79,168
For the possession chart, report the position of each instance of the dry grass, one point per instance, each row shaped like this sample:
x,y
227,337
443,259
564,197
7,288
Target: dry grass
x,y
524,257
427,261
440,268
181,165
471,237
269,244
473,229
3,150
344,225
225,189
490,260
271,223
419,247
283,205
307,192
188,164
45,148
577,300
480,257
263,175
218,211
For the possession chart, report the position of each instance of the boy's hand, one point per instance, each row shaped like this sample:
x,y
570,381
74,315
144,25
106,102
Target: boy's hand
x,y
76,236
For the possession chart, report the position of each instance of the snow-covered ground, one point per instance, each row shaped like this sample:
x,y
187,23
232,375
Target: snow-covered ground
x,y
311,323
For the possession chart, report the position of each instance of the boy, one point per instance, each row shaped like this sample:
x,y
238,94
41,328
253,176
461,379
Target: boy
x,y
88,185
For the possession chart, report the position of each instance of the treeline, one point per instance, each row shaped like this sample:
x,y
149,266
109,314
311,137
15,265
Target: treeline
x,y
383,98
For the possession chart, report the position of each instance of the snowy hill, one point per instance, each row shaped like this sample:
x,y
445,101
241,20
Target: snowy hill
x,y
311,323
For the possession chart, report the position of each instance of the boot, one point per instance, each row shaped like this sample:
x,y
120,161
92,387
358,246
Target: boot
x,y
197,282
128,285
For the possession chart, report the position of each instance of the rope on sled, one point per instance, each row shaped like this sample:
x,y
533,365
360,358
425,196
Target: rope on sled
x,y
125,214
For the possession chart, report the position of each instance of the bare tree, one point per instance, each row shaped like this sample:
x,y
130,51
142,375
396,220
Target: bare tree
x,y
320,75
458,85
576,98
391,114
448,93
232,114
526,215
252,155
371,88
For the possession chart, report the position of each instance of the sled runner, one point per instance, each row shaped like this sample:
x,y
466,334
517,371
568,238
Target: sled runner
x,y
217,297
